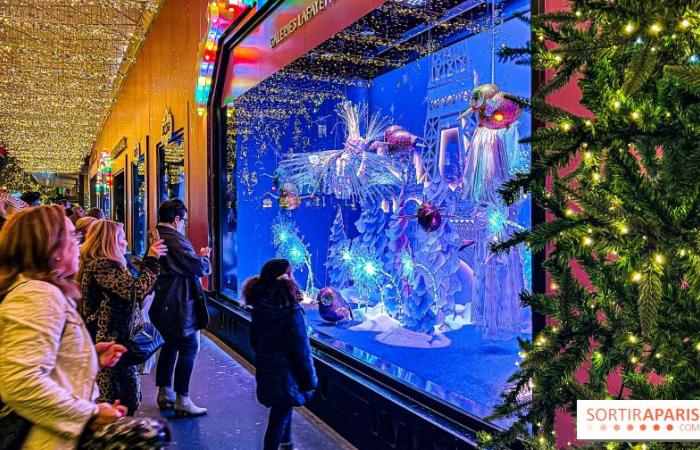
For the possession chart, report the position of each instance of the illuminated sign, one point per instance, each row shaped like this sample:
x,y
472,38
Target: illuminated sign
x,y
311,11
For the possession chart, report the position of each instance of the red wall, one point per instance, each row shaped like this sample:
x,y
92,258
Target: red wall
x,y
568,98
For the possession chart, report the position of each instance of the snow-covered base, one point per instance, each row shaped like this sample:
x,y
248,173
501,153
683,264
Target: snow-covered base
x,y
375,320
461,317
402,337
392,333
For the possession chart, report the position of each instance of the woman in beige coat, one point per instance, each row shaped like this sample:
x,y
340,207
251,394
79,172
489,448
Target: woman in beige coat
x,y
48,362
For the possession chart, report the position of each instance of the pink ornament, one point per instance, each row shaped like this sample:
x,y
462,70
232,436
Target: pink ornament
x,y
332,306
391,130
500,112
401,140
429,217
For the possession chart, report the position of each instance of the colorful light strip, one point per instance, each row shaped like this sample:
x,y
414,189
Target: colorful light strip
x,y
221,14
104,174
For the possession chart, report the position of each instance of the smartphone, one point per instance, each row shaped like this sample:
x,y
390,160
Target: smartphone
x,y
153,235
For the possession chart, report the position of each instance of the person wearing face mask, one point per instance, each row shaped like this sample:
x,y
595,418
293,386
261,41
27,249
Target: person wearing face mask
x,y
179,309
108,292
48,362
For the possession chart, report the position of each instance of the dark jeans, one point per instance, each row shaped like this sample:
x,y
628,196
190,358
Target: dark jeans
x,y
183,350
279,427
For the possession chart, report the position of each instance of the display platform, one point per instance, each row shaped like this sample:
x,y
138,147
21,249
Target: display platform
x,y
435,370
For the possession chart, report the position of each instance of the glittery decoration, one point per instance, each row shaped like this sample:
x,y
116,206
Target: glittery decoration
x,y
63,65
353,173
332,307
429,217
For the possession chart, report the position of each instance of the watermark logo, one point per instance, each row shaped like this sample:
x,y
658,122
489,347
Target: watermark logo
x,y
638,420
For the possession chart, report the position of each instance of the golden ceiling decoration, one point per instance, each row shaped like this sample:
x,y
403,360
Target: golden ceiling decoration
x,y
62,64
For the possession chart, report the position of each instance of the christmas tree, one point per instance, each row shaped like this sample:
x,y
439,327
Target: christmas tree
x,y
398,255
338,276
437,252
14,179
370,227
621,188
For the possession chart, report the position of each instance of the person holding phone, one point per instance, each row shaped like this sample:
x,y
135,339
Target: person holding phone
x,y
179,309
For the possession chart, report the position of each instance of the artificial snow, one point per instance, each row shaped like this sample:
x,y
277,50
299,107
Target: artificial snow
x,y
380,323
402,337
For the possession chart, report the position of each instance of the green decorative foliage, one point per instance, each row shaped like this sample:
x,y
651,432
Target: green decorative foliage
x,y
621,188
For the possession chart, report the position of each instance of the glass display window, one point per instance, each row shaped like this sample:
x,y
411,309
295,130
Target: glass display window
x,y
139,212
171,168
373,163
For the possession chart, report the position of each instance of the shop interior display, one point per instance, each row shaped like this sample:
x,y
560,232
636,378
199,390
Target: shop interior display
x,y
373,163
139,207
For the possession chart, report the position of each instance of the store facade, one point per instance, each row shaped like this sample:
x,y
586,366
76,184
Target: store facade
x,y
366,141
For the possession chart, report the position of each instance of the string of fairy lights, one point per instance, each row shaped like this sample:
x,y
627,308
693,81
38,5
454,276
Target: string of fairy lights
x,y
220,15
63,63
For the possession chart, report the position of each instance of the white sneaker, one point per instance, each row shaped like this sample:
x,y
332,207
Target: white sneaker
x,y
185,407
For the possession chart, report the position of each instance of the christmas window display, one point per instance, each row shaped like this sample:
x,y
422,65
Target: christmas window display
x,y
373,163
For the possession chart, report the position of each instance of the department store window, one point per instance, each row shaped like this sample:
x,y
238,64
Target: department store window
x,y
373,164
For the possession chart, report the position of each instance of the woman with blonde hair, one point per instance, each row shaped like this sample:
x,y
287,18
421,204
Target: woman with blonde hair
x,y
109,291
82,227
48,362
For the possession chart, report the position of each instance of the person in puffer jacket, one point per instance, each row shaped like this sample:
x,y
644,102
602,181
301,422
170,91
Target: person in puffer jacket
x,y
284,371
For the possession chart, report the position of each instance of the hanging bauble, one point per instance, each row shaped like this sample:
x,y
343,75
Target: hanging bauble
x,y
289,198
391,130
429,217
402,140
500,112
332,306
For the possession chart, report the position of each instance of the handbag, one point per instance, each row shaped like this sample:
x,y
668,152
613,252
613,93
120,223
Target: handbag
x,y
128,433
13,428
144,338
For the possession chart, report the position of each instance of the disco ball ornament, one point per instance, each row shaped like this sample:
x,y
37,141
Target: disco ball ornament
x,y
481,94
500,112
429,217
332,306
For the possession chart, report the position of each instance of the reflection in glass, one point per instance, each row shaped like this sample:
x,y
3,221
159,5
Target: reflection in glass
x,y
171,168
139,207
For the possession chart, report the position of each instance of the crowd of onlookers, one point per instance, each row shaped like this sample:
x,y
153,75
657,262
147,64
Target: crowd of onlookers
x,y
68,293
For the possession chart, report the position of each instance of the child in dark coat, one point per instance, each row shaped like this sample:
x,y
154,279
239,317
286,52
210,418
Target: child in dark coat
x,y
284,370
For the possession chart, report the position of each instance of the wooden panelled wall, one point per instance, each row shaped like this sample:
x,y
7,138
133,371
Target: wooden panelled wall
x,y
164,76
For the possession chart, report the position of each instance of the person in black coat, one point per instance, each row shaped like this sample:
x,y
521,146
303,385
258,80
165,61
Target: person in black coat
x,y
179,309
284,371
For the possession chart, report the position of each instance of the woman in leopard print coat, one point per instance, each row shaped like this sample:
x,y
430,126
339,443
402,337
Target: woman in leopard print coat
x,y
107,306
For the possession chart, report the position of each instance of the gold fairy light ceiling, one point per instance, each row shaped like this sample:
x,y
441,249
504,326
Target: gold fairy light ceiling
x,y
62,64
